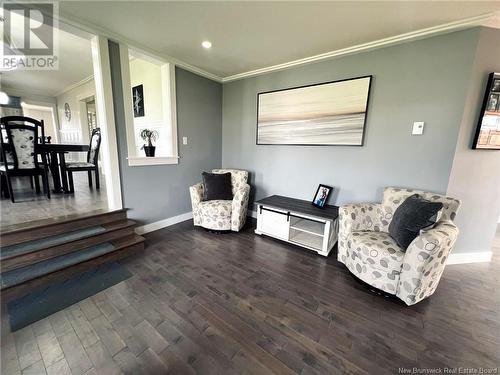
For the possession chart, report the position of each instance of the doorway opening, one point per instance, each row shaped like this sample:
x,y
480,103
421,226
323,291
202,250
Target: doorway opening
x,y
74,103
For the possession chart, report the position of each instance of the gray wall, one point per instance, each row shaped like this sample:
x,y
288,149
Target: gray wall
x,y
424,80
158,192
475,176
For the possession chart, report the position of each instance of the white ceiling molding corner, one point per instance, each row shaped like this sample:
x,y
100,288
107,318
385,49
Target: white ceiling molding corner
x,y
97,30
385,42
75,85
493,22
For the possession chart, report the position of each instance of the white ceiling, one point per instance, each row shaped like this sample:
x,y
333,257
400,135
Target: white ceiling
x,y
245,35
75,64
254,35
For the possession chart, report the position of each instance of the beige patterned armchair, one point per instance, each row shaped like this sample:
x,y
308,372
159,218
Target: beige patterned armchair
x,y
370,253
222,214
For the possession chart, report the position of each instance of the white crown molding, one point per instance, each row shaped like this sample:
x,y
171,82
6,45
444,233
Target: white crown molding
x,y
380,43
91,28
483,19
25,93
75,85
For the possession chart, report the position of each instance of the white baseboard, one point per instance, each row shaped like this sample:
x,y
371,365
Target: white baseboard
x,y
454,258
462,258
151,227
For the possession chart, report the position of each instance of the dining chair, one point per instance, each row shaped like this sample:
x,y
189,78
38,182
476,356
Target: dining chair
x,y
91,165
19,143
39,124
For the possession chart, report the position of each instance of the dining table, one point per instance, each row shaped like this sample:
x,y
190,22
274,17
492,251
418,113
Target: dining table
x,y
57,162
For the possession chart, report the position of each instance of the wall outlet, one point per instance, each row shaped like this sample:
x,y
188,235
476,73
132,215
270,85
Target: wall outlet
x,y
184,140
418,128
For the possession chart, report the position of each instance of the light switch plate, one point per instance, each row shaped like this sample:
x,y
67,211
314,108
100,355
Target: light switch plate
x,y
418,128
184,140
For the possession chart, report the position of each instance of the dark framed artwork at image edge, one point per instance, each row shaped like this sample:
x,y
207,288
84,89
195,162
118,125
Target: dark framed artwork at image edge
x,y
487,135
321,196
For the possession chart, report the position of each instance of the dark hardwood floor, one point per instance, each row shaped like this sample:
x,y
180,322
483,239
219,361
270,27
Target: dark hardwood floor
x,y
239,303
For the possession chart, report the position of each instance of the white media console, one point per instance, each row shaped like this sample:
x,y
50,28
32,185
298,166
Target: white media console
x,y
298,222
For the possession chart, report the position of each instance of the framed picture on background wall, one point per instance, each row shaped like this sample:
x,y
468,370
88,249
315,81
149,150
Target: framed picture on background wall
x,y
323,114
487,136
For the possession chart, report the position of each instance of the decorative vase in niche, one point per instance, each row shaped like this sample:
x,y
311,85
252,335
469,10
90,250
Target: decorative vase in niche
x,y
149,136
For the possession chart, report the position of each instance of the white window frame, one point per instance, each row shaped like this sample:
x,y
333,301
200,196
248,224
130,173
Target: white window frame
x,y
169,106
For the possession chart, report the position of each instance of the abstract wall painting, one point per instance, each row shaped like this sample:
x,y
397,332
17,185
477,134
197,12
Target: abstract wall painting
x,y
138,100
332,113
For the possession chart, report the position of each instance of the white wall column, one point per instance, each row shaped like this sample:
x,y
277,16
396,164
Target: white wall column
x,y
105,112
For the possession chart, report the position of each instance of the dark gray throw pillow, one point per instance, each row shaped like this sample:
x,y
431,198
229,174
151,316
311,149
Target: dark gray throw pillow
x,y
217,186
413,215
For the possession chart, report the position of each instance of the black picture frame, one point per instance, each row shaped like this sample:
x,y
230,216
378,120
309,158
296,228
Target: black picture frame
x,y
138,100
321,202
486,109
312,85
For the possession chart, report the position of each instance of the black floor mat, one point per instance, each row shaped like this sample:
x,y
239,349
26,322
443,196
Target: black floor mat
x,y
44,302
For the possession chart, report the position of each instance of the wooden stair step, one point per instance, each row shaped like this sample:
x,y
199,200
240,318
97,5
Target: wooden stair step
x,y
132,248
21,275
64,245
36,230
12,251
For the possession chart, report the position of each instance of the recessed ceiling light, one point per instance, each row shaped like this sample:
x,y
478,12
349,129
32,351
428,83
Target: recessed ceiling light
x,y
206,44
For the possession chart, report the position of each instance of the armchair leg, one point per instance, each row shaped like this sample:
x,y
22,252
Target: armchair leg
x,y
31,182
90,178
97,178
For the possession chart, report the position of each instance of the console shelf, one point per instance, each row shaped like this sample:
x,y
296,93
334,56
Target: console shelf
x,y
308,226
298,222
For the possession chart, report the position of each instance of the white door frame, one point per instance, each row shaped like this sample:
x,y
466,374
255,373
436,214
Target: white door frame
x,y
105,112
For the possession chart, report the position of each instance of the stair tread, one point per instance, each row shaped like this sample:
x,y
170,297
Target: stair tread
x,y
53,221
28,247
20,275
11,251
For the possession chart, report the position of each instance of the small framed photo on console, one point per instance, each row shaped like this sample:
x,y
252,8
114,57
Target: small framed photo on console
x,y
321,195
